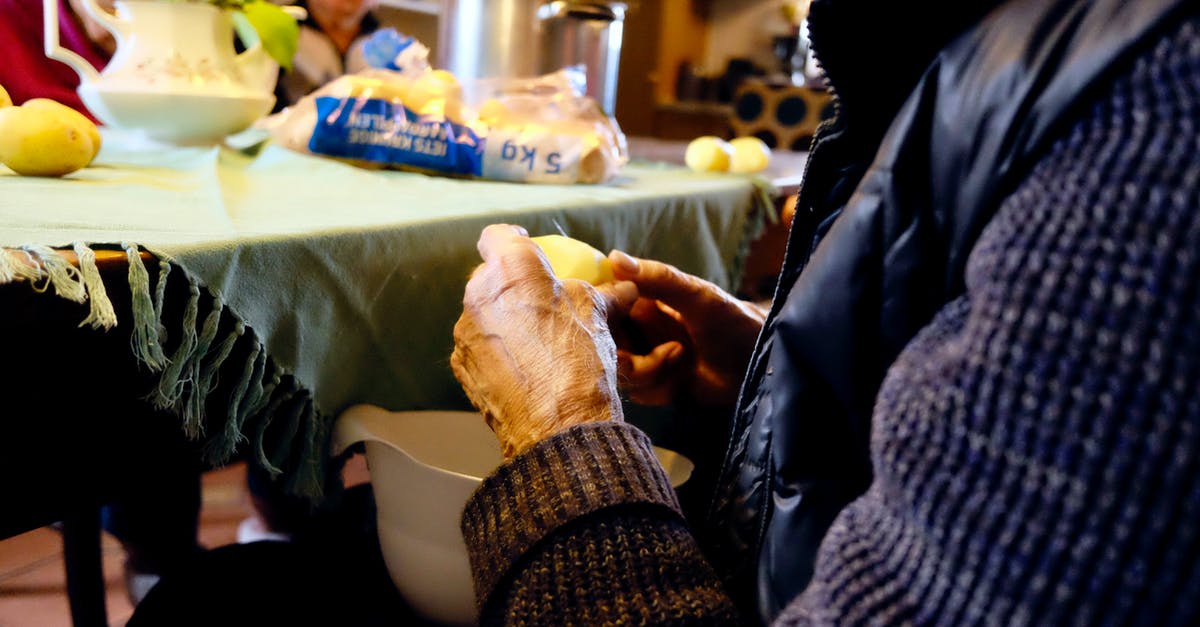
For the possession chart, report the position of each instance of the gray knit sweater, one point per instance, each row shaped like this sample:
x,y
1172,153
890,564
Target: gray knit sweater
x,y
1036,448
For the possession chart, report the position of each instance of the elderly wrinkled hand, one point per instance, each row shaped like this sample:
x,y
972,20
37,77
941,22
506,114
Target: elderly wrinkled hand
x,y
685,337
534,353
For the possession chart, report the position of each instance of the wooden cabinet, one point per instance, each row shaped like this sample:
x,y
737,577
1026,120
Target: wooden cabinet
x,y
660,36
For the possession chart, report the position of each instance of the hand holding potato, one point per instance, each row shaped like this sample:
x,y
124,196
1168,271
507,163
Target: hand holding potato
x,y
696,338
533,352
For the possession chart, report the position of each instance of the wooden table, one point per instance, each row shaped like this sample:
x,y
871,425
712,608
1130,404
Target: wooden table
x,y
77,429
348,281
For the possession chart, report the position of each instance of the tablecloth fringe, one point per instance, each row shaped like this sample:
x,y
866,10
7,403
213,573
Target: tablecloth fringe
x,y
101,314
267,409
261,394
12,269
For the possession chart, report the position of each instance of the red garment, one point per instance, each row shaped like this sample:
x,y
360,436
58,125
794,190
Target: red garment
x,y
25,70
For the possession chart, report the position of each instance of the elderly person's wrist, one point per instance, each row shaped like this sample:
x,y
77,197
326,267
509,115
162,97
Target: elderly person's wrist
x,y
556,414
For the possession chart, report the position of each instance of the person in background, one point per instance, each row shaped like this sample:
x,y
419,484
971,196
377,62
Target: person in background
x,y
330,45
974,397
27,72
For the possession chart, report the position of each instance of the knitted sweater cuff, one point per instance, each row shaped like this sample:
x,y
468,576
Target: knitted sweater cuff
x,y
582,470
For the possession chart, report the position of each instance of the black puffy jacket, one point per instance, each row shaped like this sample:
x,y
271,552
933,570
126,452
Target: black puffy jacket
x,y
940,115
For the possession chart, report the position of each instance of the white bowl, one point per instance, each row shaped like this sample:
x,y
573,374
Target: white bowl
x,y
177,118
424,466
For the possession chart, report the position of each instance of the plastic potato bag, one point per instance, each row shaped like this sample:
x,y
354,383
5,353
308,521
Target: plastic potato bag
x,y
532,130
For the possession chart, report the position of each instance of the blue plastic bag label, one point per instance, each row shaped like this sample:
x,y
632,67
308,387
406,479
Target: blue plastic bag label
x,y
388,133
388,49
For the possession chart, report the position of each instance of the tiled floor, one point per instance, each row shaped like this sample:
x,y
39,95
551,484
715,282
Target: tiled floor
x,y
32,589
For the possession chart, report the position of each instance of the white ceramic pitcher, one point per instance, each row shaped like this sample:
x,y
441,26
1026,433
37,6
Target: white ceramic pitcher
x,y
175,75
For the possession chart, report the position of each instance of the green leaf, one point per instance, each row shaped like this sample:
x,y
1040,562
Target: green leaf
x,y
278,31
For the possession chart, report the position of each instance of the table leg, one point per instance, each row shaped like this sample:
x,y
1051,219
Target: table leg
x,y
85,572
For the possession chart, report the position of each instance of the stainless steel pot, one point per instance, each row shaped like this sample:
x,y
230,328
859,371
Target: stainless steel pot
x,y
589,33
488,38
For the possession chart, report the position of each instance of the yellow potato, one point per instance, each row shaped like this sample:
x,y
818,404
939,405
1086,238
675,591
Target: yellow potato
x,y
40,142
443,110
395,91
592,167
492,112
434,86
446,77
750,154
5,99
708,154
360,86
70,115
573,259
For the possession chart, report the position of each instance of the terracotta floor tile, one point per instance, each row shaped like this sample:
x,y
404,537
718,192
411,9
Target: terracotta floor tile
x,y
36,595
18,552
35,609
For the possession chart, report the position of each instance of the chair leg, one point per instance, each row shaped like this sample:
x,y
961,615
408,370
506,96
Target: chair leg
x,y
85,571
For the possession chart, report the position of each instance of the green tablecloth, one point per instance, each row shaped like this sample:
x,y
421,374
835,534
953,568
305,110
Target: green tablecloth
x,y
350,279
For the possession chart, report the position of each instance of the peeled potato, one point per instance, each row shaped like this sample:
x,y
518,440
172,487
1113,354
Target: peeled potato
x,y
573,259
708,154
750,154
5,100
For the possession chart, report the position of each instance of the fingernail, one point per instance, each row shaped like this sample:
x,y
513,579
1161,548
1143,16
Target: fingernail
x,y
624,263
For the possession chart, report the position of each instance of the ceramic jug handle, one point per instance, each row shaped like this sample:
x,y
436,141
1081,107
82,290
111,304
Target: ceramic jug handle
x,y
259,70
50,36
115,25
